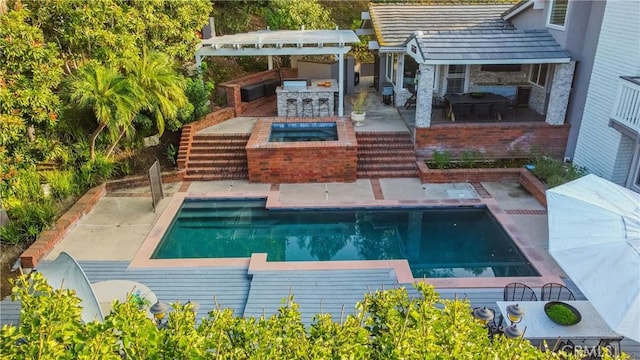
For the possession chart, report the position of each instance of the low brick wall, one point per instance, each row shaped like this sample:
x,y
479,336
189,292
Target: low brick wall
x,y
49,238
137,181
302,162
492,140
523,176
232,88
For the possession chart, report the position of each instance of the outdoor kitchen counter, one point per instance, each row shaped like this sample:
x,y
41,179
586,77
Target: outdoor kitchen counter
x,y
307,101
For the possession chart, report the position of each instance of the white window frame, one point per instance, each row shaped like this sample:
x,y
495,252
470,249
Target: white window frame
x,y
537,68
566,16
390,71
464,77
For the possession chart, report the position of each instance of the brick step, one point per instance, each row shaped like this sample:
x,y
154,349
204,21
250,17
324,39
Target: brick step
x,y
210,177
386,166
217,149
216,169
392,158
217,156
219,142
379,139
386,174
374,152
217,163
221,136
382,146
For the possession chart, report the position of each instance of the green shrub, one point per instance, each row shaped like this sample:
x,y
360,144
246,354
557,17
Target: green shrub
x,y
61,184
26,186
554,172
469,158
172,152
28,220
441,159
13,234
95,172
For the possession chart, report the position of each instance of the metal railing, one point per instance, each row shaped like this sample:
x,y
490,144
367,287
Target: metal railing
x,y
626,109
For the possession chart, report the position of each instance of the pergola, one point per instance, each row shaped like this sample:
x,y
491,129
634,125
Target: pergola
x,y
284,42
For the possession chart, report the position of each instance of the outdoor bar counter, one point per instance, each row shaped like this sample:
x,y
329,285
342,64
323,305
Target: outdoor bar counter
x,y
297,99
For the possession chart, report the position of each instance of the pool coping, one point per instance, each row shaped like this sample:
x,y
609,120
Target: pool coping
x,y
257,262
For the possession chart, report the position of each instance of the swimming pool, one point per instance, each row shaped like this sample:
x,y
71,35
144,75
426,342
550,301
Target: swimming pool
x,y
437,242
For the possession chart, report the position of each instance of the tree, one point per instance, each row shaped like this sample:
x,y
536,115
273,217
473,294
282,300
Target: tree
x,y
30,70
111,30
387,325
292,15
111,96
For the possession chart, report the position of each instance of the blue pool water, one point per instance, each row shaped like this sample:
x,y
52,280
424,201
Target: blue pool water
x,y
290,132
442,242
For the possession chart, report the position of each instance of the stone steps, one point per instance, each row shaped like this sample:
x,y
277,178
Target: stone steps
x,y
217,157
383,155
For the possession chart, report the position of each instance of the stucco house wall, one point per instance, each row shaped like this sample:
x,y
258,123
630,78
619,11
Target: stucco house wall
x,y
601,149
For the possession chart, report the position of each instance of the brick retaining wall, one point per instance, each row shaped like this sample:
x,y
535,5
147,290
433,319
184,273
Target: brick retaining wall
x,y
493,140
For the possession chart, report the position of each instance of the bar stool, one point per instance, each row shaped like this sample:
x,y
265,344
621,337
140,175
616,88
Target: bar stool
x,y
292,107
323,107
307,107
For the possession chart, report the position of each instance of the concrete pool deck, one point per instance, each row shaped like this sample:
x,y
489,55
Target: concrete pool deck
x,y
117,228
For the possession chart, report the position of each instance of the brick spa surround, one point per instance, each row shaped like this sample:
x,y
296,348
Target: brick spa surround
x,y
302,162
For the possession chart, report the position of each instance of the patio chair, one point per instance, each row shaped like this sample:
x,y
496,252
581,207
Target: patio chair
x,y
482,110
438,104
518,292
411,101
461,110
501,109
556,292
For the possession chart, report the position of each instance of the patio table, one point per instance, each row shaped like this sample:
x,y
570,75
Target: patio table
x,y
538,326
486,98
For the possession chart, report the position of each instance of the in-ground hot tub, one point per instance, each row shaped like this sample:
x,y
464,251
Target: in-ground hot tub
x,y
303,131
302,158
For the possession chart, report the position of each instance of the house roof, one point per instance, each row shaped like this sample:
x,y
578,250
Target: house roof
x,y
280,42
394,23
516,9
486,47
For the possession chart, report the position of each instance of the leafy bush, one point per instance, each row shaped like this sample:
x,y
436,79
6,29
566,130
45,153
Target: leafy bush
x,y
27,186
28,220
61,184
95,172
441,159
469,158
387,325
554,172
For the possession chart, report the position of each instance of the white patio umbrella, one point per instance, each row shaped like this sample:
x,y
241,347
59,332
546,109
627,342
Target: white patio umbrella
x,y
594,235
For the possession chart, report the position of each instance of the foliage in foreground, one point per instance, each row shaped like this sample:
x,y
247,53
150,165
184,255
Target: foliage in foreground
x,y
387,325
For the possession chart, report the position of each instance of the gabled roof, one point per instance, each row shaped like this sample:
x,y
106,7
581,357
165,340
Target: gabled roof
x,y
394,23
516,9
486,47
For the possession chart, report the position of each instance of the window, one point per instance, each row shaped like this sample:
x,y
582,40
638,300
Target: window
x,y
538,74
456,79
558,13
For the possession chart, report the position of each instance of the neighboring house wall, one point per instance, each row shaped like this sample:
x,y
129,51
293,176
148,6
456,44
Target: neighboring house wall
x,y
583,49
580,38
601,149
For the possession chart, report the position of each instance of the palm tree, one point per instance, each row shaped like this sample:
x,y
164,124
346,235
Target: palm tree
x,y
162,88
111,97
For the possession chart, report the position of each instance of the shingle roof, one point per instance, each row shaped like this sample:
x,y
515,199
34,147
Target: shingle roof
x,y
489,47
394,23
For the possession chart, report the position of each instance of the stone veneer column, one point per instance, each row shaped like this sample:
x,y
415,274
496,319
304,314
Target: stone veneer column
x,y
560,90
425,96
